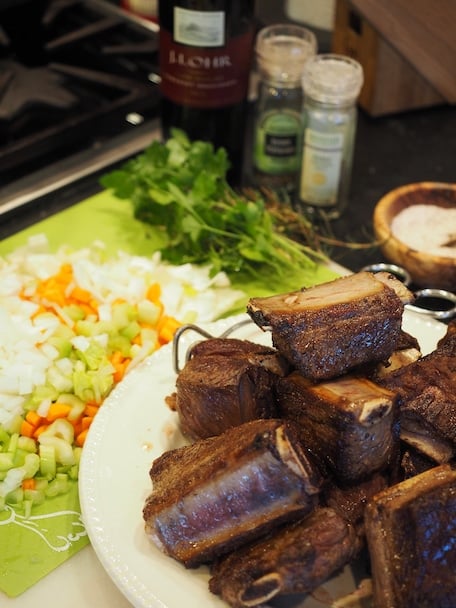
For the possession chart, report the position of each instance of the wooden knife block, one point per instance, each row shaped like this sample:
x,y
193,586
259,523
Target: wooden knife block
x,y
391,83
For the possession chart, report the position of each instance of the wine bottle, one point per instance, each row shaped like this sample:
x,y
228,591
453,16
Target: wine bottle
x,y
205,50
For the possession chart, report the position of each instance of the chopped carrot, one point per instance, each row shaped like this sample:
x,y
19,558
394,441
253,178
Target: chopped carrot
x,y
90,410
86,421
168,329
33,418
80,439
117,357
121,369
27,429
137,339
82,295
77,426
153,293
37,432
58,410
120,364
87,308
29,483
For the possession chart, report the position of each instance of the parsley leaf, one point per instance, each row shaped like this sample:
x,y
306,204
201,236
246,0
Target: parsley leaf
x,y
181,188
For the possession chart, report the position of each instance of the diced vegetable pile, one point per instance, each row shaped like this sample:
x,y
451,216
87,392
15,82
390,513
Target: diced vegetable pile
x,y
73,323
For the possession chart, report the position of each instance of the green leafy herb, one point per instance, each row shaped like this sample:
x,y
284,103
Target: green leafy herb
x,y
180,187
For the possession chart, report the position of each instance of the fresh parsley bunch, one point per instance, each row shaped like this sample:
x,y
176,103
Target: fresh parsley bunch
x,y
180,187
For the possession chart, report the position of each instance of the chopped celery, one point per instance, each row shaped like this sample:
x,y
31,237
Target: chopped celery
x,y
42,393
14,424
4,435
41,483
63,331
27,444
120,343
60,436
57,379
63,345
36,497
12,445
15,497
75,312
76,404
148,312
6,461
131,330
77,454
31,465
47,461
122,314
19,457
93,385
60,428
57,486
93,328
94,356
73,472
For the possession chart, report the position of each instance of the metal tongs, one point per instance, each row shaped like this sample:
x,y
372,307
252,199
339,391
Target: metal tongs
x,y
427,295
202,332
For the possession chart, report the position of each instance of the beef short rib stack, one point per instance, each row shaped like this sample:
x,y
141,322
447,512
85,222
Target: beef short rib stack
x,y
295,558
411,533
349,423
226,383
216,494
332,328
310,452
427,393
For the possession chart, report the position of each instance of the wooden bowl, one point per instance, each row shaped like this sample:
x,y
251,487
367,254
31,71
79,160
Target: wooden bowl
x,y
427,267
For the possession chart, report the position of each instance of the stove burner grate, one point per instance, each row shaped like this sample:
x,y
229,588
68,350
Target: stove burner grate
x,y
91,67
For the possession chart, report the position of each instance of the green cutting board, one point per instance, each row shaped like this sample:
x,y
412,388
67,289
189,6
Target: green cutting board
x,y
108,219
31,548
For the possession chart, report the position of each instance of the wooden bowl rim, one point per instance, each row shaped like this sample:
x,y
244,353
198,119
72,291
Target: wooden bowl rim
x,y
381,219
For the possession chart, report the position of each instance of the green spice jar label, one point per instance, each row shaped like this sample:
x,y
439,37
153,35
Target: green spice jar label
x,y
278,142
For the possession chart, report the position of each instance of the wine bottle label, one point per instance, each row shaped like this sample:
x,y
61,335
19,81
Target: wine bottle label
x,y
277,142
199,28
205,76
321,167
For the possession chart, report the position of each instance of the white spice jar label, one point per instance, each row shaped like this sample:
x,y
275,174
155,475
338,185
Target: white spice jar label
x,y
321,167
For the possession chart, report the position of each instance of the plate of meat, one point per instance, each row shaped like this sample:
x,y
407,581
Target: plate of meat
x,y
141,433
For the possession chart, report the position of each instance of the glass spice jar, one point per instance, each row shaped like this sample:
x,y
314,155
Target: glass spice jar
x,y
281,51
331,84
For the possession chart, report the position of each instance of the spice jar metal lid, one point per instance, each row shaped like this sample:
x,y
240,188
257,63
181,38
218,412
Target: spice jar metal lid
x,y
282,51
331,78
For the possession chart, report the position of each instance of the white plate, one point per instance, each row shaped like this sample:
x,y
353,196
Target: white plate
x,y
133,427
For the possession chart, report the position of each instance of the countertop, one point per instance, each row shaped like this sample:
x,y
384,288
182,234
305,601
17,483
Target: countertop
x,y
392,151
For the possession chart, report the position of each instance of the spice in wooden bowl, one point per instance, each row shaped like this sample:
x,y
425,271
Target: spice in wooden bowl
x,y
416,227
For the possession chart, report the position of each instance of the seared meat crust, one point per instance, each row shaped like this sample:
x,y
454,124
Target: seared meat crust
x,y
349,424
226,382
427,401
411,532
212,496
329,329
295,558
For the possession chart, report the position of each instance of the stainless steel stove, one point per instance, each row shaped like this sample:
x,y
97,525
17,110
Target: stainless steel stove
x,y
78,92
